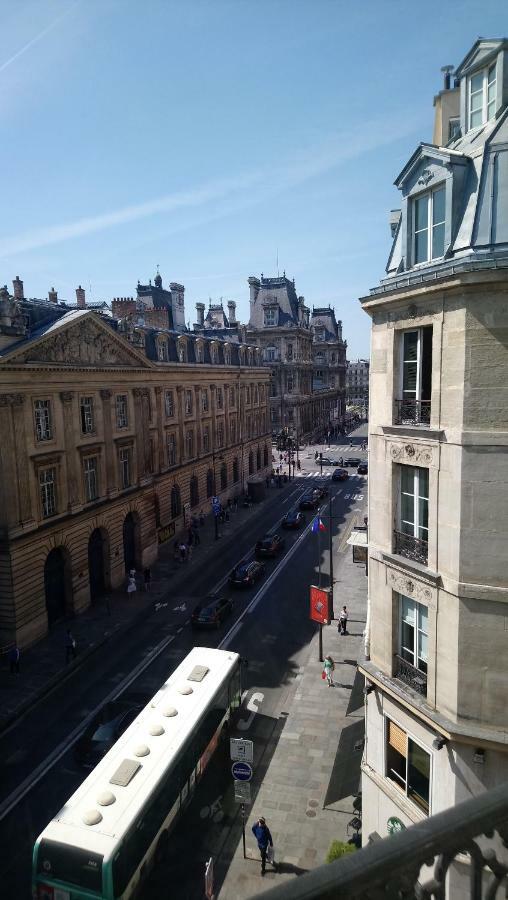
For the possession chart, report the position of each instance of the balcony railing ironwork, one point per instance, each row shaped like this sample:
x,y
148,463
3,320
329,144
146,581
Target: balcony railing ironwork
x,y
410,547
391,867
412,412
410,675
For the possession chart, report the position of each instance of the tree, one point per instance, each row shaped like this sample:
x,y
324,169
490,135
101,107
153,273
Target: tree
x,y
338,849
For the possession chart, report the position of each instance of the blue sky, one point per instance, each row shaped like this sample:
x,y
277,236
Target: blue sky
x,y
207,137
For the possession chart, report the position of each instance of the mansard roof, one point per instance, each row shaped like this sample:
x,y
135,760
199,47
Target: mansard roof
x,y
280,292
216,317
481,54
324,317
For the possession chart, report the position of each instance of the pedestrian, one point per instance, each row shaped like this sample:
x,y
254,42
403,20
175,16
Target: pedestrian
x,y
70,646
328,670
183,552
176,550
14,659
195,534
131,585
341,461
132,573
147,577
201,518
342,626
262,834
316,454
235,504
226,515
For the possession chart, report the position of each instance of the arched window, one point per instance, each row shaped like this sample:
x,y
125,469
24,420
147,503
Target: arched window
x,y
210,487
258,459
251,463
194,491
265,455
223,477
236,476
176,502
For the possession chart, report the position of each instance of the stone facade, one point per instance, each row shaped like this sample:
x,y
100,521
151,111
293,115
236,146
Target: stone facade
x,y
106,450
357,384
438,492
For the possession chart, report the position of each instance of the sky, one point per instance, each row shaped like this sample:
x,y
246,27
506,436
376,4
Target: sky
x,y
216,139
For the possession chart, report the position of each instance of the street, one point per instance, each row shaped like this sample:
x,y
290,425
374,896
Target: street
x,y
270,627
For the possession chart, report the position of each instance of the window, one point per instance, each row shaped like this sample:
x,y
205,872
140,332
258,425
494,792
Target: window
x,y
429,226
223,477
171,443
247,395
413,633
176,502
188,403
416,365
232,429
289,384
270,354
121,411
271,316
453,129
251,463
210,484
87,418
290,351
412,539
43,429
169,404
206,439
265,455
482,96
124,457
220,434
408,765
220,398
47,486
232,397
235,471
162,350
199,353
258,459
189,444
182,353
194,491
204,400
90,470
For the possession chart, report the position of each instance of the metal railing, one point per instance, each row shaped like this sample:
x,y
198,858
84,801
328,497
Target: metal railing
x,y
410,675
410,547
390,868
412,412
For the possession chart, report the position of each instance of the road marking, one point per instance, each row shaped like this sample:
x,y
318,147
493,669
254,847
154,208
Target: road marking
x,y
253,707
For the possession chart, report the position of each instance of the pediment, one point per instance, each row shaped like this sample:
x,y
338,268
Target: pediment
x,y
85,342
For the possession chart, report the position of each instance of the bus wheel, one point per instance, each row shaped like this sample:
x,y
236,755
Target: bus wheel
x,y
161,851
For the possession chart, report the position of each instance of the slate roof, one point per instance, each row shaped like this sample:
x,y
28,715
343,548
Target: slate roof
x,y
216,317
325,317
281,292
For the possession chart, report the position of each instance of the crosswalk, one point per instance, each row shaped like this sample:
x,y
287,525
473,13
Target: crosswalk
x,y
327,473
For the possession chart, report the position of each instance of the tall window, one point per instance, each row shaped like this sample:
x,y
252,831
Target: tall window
x,y
169,404
232,429
414,508
482,96
408,765
206,439
171,443
429,225
220,434
270,354
232,397
204,400
90,472
189,444
188,403
176,502
124,458
223,477
194,491
414,633
258,459
43,427
210,484
236,476
270,317
290,351
247,394
162,350
220,398
121,411
47,487
416,376
199,353
251,463
256,394
87,416
289,384
265,455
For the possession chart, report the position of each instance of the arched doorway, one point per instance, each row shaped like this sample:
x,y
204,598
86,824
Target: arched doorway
x,y
131,541
56,584
98,563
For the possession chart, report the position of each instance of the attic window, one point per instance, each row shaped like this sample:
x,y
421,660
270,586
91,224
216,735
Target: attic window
x,y
482,96
429,225
271,316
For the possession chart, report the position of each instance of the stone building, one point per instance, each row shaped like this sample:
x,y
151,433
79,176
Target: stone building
x,y
112,433
437,667
279,323
329,359
357,384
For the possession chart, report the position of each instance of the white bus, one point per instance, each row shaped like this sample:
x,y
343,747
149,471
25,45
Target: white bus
x,y
103,840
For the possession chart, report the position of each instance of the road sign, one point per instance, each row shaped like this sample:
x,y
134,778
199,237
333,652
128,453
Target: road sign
x,y
241,771
241,749
242,792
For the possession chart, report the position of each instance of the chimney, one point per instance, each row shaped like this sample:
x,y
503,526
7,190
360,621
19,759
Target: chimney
x,y
200,313
80,297
232,312
53,295
447,72
18,288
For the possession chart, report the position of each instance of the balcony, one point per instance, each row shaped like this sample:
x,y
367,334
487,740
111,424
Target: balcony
x,y
412,412
410,547
410,675
392,867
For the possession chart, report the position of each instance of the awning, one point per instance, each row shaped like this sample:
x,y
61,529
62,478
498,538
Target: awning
x,y
358,539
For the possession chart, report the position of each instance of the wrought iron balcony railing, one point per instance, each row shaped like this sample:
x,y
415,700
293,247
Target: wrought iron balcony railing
x,y
390,868
412,412
410,675
410,547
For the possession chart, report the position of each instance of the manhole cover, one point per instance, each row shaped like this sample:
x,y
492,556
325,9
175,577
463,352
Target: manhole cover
x,y
313,802
311,813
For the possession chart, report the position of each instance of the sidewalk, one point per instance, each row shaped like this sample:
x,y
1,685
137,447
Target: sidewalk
x,y
306,793
43,666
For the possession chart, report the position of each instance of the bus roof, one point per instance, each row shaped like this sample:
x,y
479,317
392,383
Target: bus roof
x,y
91,818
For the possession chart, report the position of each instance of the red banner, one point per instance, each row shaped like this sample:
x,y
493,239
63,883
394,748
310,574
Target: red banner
x,y
320,605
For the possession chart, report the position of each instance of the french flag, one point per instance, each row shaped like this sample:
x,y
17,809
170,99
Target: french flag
x,y
317,525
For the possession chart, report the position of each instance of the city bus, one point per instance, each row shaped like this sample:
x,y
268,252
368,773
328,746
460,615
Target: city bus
x,y
104,840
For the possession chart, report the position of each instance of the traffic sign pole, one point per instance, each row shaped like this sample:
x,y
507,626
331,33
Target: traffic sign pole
x,y
243,831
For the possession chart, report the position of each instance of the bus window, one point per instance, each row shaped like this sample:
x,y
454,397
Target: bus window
x,y
72,865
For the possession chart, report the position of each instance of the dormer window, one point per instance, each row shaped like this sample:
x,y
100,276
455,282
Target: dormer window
x,y
429,226
482,96
270,316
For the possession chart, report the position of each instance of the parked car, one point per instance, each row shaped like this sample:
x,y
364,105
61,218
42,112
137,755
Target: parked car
x,y
340,475
270,545
246,574
320,488
293,519
211,612
326,461
363,469
352,462
104,730
309,500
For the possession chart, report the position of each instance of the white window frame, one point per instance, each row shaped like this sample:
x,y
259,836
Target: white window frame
x,y
87,415
204,400
409,737
169,404
162,350
416,525
188,403
220,398
270,317
171,449
484,92
271,353
122,411
43,420
47,491
91,478
419,611
431,225
125,462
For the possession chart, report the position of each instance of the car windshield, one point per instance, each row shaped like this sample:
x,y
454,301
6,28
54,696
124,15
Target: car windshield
x,y
208,612
266,542
104,732
241,571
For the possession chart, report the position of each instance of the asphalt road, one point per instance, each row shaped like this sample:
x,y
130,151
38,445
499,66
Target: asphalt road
x,y
269,626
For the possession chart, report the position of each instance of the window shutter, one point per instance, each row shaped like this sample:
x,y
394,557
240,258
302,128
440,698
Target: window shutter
x,y
397,738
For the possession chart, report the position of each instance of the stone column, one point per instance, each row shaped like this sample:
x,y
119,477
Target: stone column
x,y
161,418
111,487
199,421
21,456
9,510
73,499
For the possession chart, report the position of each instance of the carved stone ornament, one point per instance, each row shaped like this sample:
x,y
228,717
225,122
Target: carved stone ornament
x,y
12,399
66,396
106,394
83,344
412,453
418,591
425,177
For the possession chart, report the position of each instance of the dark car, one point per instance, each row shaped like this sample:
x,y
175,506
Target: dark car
x,y
211,612
340,475
293,519
270,545
352,461
321,489
246,574
326,461
363,469
104,730
309,500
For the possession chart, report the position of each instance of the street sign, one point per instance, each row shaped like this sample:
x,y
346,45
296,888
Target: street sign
x,y
241,771
241,749
320,605
216,506
242,792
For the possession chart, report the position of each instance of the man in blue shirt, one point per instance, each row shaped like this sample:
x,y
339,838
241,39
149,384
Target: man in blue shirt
x,y
262,834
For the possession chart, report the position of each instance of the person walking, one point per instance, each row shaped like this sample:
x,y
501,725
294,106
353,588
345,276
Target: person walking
x,y
147,577
195,535
70,646
343,616
14,659
131,584
328,669
183,552
262,834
